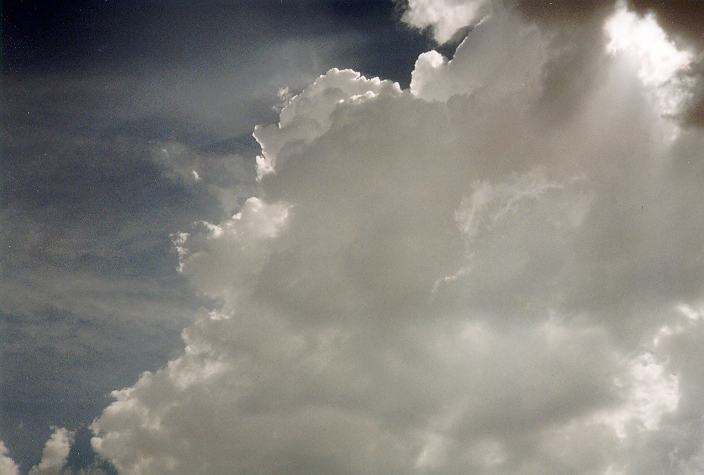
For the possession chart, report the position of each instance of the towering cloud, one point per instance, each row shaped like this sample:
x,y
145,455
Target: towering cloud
x,y
498,270
55,453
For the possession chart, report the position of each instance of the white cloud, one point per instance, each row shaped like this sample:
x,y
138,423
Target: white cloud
x,y
444,280
659,62
306,117
7,465
444,17
509,62
55,453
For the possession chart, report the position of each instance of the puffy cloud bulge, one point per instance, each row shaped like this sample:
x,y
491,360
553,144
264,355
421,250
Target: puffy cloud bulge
x,y
54,455
498,270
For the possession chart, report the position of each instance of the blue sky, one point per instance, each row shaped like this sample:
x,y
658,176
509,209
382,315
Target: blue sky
x,y
493,266
92,92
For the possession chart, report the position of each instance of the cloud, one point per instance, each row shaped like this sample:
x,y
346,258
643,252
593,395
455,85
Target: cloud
x,y
89,292
682,21
55,453
660,62
445,17
446,279
7,465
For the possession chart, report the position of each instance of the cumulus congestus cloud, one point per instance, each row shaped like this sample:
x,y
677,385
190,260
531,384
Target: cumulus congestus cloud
x,y
447,279
55,453
53,459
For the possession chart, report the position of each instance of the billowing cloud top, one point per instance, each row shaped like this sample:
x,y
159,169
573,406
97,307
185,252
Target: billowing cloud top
x,y
499,270
55,453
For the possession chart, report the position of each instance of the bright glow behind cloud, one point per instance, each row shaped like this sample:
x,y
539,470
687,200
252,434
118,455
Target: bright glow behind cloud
x,y
660,63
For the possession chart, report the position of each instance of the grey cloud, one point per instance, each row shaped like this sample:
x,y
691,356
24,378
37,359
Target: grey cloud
x,y
446,279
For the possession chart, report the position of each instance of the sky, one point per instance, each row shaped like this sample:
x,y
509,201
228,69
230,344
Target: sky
x,y
106,106
434,236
